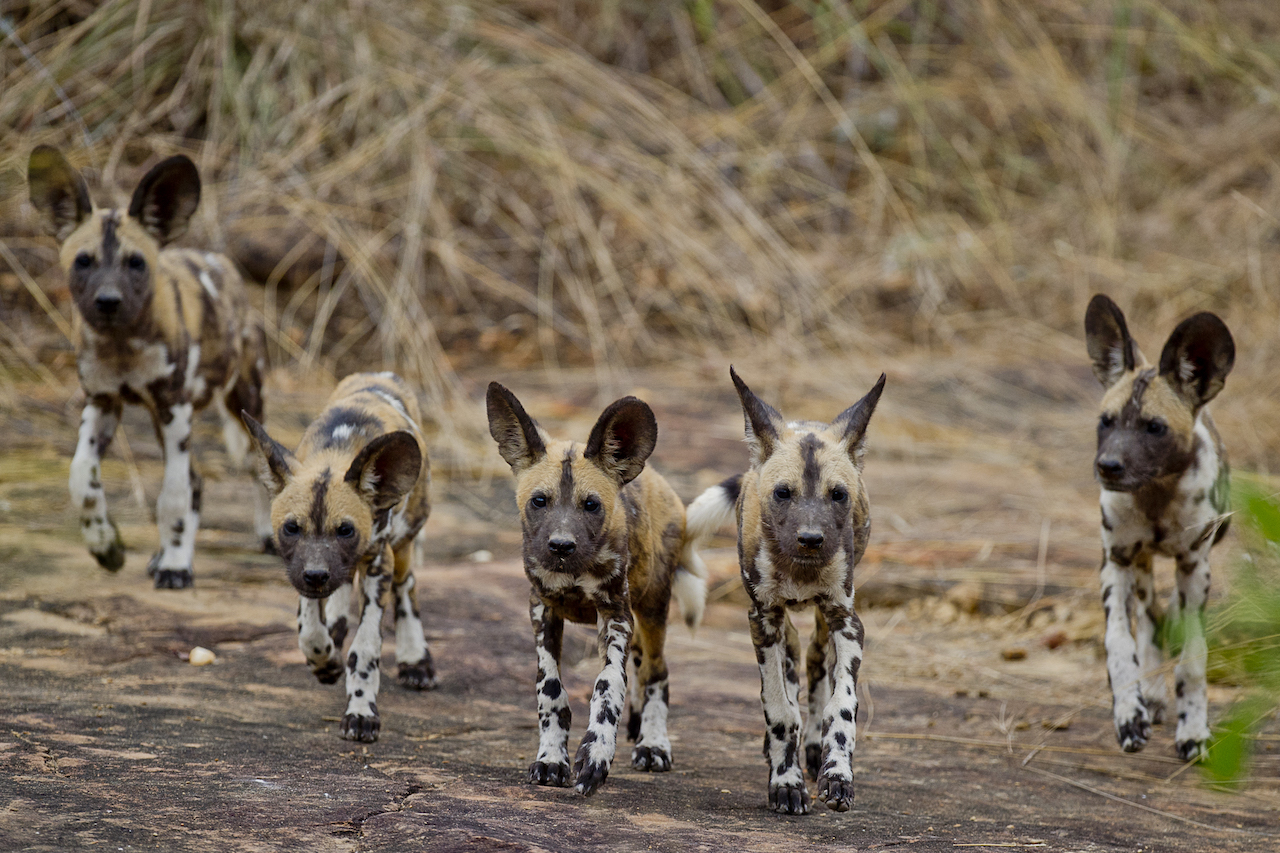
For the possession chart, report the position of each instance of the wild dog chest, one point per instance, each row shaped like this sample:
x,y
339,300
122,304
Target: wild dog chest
x,y
571,604
136,368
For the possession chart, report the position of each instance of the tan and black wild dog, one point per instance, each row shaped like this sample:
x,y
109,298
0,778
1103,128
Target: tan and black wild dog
x,y
605,543
160,327
346,506
1164,479
803,524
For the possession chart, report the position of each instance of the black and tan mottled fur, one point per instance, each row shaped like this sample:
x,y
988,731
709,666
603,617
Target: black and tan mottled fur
x,y
346,507
604,543
159,327
1164,479
803,524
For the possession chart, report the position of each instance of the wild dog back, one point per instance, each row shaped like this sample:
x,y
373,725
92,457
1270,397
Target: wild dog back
x,y
346,507
160,327
1164,479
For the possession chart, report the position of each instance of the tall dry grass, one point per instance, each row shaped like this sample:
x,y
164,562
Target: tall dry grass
x,y
433,185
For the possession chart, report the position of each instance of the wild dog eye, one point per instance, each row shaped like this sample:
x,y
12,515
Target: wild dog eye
x,y
839,495
782,493
1157,428
538,501
1107,421
290,528
84,260
591,505
346,530
137,263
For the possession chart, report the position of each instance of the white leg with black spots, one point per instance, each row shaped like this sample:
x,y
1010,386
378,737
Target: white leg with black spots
x,y
413,656
818,662
315,642
1133,724
1189,672
1146,628
778,694
97,426
177,513
653,746
552,764
596,751
361,722
839,717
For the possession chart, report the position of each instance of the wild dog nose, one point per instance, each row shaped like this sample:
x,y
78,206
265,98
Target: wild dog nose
x,y
107,303
315,578
562,546
809,538
1110,468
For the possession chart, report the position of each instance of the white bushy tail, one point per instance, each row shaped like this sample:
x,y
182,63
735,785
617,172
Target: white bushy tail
x,y
710,511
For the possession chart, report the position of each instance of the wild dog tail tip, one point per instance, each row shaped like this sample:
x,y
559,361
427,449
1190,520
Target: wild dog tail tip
x,y
708,512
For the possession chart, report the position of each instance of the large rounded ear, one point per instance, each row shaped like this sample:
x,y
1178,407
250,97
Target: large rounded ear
x,y
1197,358
1110,347
852,422
520,442
764,423
57,192
166,198
622,439
276,465
386,469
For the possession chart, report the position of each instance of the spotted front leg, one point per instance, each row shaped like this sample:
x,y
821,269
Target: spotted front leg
x,y
819,693
415,668
361,722
322,627
1129,711
595,752
839,717
1189,673
778,694
178,508
1145,617
552,764
97,427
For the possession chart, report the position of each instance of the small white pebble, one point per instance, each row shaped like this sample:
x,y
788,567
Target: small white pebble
x,y
482,556
200,656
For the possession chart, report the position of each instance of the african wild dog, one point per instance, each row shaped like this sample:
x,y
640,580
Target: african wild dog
x,y
1164,482
803,524
345,509
604,542
160,327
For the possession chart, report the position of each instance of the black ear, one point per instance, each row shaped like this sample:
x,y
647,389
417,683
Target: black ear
x,y
623,438
853,422
276,465
1197,358
764,423
386,469
57,191
1112,349
166,198
519,440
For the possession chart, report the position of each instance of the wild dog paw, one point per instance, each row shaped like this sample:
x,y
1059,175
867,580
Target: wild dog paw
x,y
789,799
328,672
173,578
417,676
836,793
1134,733
1190,750
361,728
813,760
111,559
555,775
590,774
654,759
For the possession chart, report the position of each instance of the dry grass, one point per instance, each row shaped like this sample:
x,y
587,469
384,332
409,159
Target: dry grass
x,y
433,186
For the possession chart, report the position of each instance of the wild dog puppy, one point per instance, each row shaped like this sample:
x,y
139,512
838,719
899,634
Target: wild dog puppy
x,y
345,508
604,543
1164,482
159,327
803,524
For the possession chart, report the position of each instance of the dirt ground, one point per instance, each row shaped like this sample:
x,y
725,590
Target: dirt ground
x,y
984,720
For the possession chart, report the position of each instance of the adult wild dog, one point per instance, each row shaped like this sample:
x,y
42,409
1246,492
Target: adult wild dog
x,y
604,542
1164,482
159,327
803,524
345,509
